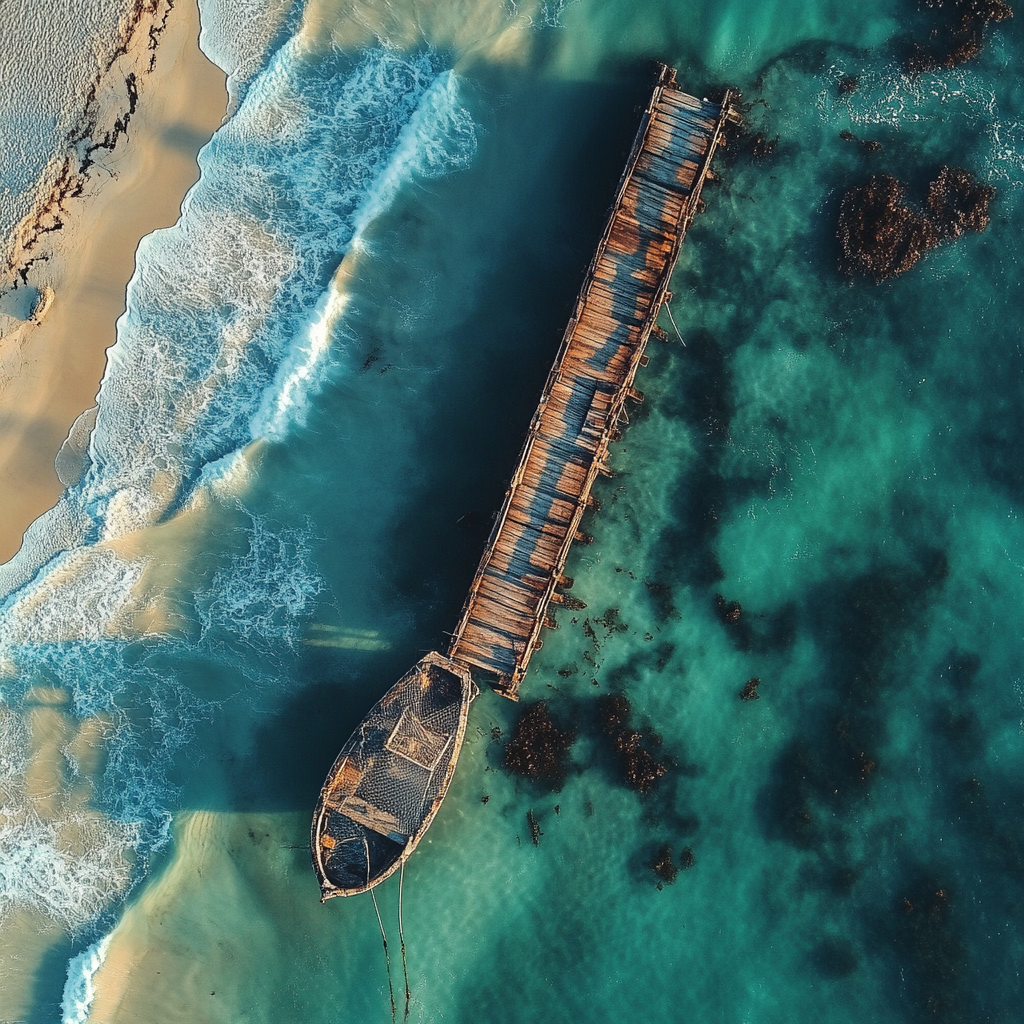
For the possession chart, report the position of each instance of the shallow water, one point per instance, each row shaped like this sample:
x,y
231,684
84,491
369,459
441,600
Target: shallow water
x,y
318,393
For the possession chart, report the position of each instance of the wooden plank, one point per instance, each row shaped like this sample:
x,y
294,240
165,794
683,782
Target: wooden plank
x,y
380,821
585,392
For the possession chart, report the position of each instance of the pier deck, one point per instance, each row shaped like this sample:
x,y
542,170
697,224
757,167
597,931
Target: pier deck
x,y
592,378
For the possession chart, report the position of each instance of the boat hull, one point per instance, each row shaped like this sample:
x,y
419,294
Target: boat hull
x,y
388,780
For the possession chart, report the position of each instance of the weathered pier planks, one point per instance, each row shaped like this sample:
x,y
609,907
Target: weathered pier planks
x,y
584,397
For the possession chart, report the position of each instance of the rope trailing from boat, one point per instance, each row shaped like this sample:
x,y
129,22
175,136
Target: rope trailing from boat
x,y
401,936
668,309
387,958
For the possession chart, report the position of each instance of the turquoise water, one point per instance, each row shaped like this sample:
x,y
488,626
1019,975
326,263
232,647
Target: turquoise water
x,y
317,397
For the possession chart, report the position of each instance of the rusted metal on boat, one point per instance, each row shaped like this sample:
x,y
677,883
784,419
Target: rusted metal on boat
x,y
388,782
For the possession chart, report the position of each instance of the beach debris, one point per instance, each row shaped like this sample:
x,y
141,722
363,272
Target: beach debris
x,y
728,611
534,826
663,866
959,36
882,236
749,691
538,749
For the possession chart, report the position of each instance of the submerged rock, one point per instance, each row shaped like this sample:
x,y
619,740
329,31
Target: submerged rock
x,y
879,234
958,202
882,236
538,749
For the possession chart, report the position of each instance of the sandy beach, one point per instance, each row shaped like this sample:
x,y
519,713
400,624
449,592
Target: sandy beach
x,y
50,371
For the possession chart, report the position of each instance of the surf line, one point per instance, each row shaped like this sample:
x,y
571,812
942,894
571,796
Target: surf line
x,y
390,777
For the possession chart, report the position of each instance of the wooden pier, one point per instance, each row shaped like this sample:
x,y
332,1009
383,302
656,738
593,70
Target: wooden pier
x,y
392,773
583,402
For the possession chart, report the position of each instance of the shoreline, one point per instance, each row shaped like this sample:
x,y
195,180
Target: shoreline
x,y
131,181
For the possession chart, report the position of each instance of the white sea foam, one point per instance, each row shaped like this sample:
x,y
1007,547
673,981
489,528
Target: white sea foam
x,y
69,870
80,597
285,401
79,989
259,596
237,34
439,138
227,333
218,346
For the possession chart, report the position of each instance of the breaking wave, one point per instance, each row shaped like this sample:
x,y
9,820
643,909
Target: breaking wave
x,y
230,321
79,990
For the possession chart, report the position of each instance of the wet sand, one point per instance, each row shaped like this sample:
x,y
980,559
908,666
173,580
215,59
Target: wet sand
x,y
50,372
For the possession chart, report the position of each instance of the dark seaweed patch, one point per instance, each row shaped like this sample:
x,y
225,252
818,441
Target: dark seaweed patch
x,y
881,235
614,711
663,866
956,33
922,931
534,826
538,749
749,691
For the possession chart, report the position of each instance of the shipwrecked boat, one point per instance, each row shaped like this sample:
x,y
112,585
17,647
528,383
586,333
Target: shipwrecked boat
x,y
388,782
